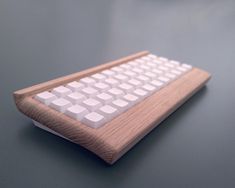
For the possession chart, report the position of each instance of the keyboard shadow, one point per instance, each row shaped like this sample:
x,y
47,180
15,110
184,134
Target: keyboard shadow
x,y
73,154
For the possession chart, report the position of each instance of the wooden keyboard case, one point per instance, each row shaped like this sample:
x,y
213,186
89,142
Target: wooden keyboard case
x,y
116,137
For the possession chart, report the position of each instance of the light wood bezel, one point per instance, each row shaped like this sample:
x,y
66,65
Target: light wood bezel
x,y
112,140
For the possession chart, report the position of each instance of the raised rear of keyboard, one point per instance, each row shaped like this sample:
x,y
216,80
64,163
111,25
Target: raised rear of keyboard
x,y
107,109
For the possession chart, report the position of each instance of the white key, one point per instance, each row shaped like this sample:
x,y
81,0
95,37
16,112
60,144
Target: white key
x,y
104,98
152,65
163,59
152,56
75,86
171,76
149,88
133,63
146,58
132,99
61,91
176,72
140,61
76,97
134,82
121,77
60,104
91,104
163,68
150,75
112,82
138,70
98,77
143,79
89,91
88,81
157,62
116,93
163,79
130,73
187,66
117,69
182,69
169,65
126,87
77,112
101,87
145,68
175,62
157,83
45,97
93,120
109,112
121,105
140,93
157,71
108,73
125,66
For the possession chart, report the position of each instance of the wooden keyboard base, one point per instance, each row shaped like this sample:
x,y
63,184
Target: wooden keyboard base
x,y
115,138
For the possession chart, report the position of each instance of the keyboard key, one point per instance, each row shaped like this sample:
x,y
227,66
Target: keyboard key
x,y
133,63
130,74
150,75
109,112
93,120
120,104
121,77
176,72
77,112
157,71
132,99
89,91
108,73
163,68
75,86
175,63
171,76
75,97
104,98
152,56
101,87
149,88
134,82
60,104
91,104
125,66
187,66
118,69
163,59
98,77
157,83
143,79
45,97
112,82
140,93
138,70
88,81
126,87
163,79
61,91
116,93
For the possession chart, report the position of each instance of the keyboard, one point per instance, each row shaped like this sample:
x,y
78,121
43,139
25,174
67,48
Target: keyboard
x,y
109,108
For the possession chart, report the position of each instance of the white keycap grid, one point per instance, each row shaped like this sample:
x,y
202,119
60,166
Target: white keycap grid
x,y
99,98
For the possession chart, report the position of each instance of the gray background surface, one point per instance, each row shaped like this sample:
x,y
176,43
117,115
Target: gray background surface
x,y
45,39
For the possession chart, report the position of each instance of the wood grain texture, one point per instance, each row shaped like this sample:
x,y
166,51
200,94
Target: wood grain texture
x,y
115,138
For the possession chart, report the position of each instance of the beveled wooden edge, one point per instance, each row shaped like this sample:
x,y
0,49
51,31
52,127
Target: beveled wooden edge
x,y
112,140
